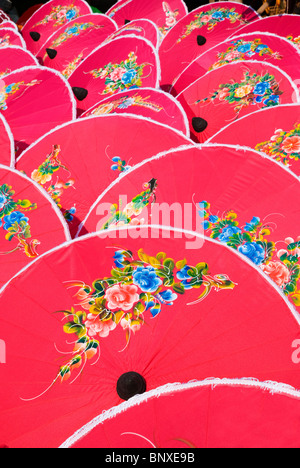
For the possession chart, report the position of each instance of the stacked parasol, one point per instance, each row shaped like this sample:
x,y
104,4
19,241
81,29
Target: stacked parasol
x,y
149,227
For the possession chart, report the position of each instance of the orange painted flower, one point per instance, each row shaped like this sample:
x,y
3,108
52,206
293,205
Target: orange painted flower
x,y
291,145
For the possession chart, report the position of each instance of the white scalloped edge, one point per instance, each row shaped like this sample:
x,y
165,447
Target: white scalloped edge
x,y
274,388
243,61
185,232
156,90
244,64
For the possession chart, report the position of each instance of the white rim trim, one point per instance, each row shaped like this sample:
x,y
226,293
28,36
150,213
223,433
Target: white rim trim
x,y
274,388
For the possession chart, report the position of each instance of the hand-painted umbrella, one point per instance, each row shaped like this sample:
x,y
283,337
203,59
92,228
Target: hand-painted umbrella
x,y
30,223
164,14
100,319
7,145
287,26
3,16
237,89
127,62
14,57
9,37
9,24
274,131
238,413
34,100
238,196
139,27
77,161
264,47
68,47
148,102
198,31
49,18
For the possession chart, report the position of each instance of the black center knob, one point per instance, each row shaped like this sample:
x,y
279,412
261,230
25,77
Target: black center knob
x,y
199,124
130,384
201,40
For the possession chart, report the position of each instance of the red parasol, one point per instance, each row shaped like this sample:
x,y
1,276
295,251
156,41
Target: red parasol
x,y
164,14
30,223
14,57
34,100
78,160
68,47
237,89
198,31
284,25
212,191
148,102
9,37
264,47
147,306
9,24
274,131
48,18
238,413
139,27
127,62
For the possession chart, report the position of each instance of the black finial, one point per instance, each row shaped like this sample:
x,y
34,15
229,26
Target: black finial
x,y
201,40
80,93
130,384
35,36
199,124
52,53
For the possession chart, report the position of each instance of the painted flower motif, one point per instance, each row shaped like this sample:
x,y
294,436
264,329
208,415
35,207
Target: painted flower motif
x,y
291,144
121,296
184,277
243,91
131,210
117,73
41,178
278,272
15,217
244,48
261,88
128,77
167,296
255,252
223,93
95,326
127,323
146,279
2,201
228,232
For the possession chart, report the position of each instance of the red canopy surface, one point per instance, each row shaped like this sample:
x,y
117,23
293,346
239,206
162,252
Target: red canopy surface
x,y
238,414
158,321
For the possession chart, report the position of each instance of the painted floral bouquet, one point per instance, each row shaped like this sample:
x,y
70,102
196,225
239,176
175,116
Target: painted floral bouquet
x,y
134,288
15,223
211,19
283,146
251,240
252,90
121,76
